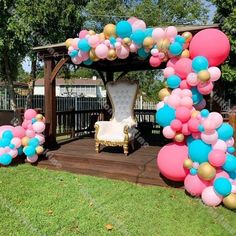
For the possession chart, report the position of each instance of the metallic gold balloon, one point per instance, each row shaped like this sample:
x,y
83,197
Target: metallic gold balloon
x,y
179,138
185,53
163,45
109,31
68,42
163,93
206,171
91,32
203,75
148,42
230,201
127,41
111,55
39,150
25,141
39,117
195,114
188,36
188,163
101,37
92,55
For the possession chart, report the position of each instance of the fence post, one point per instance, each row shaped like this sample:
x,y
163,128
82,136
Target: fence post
x,y
72,122
232,121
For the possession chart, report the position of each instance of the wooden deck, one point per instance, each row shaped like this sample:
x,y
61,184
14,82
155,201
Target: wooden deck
x,y
80,157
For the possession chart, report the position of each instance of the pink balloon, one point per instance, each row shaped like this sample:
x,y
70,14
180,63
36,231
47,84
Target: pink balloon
x,y
233,189
30,114
220,173
75,42
160,105
176,125
183,67
170,161
194,185
41,138
196,135
173,100
2,151
168,132
215,73
209,138
184,85
176,91
32,159
230,142
209,125
186,93
16,141
192,79
193,124
30,133
217,158
154,61
82,34
210,197
171,32
93,40
220,145
183,114
205,88
185,129
101,51
84,55
216,118
158,34
138,24
155,52
19,132
168,71
205,43
186,102
133,47
77,60
123,52
13,153
172,62
132,19
4,128
38,127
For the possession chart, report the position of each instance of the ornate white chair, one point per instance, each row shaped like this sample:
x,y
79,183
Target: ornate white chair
x,y
120,130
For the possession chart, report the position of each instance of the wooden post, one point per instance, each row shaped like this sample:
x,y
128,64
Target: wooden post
x,y
232,121
50,104
109,77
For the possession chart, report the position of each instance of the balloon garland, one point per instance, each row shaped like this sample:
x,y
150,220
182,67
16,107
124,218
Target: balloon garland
x,y
27,138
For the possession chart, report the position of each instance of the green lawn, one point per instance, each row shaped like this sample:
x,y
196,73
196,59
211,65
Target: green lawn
x,y
34,201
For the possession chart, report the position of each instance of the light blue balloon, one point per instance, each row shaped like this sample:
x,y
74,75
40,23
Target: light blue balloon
x,y
222,186
74,53
196,96
173,81
112,40
176,48
4,142
201,128
88,62
180,39
142,53
138,36
123,29
12,146
34,142
83,45
193,171
200,63
232,174
225,131
198,151
7,134
29,151
5,159
165,115
189,139
205,113
230,163
230,149
148,32
20,150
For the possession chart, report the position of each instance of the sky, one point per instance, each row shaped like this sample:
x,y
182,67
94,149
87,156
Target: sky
x,y
26,62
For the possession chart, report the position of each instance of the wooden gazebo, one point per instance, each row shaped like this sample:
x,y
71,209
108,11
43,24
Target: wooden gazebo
x,y
55,56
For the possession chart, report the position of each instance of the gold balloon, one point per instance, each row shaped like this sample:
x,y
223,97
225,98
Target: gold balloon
x,y
163,45
101,37
109,31
230,201
148,42
39,117
188,36
68,42
92,55
39,150
188,163
195,114
185,53
163,93
204,75
25,141
127,41
206,171
111,55
91,32
179,138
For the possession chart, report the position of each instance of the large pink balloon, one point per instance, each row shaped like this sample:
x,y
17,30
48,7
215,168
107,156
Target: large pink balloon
x,y
210,197
170,161
194,185
212,44
19,132
183,67
4,128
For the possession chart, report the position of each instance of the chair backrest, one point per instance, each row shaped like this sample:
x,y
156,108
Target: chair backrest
x,y
123,95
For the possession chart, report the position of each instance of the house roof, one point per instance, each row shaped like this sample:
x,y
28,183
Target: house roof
x,y
16,84
61,82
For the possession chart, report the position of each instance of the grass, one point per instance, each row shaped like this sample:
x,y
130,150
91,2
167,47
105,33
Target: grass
x,y
35,201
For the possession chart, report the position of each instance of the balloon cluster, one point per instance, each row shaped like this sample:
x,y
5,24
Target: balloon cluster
x,y
202,152
131,36
27,138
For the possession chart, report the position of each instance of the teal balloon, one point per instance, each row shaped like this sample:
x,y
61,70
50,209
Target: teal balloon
x,y
200,63
189,139
83,45
29,151
198,151
230,163
12,146
230,149
196,96
180,39
138,36
205,113
5,159
7,134
175,48
193,171
225,131
222,186
232,174
142,53
201,128
88,62
148,32
165,115
73,53
4,142
34,142
123,29
112,40
173,81
20,151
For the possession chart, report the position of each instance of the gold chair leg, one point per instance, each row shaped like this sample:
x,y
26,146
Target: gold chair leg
x,y
97,147
126,149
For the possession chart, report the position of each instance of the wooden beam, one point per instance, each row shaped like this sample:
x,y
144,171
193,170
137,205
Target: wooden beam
x,y
57,68
50,104
232,121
